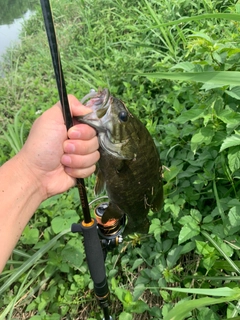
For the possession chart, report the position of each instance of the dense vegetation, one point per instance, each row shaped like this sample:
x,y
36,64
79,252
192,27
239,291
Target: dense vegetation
x,y
176,65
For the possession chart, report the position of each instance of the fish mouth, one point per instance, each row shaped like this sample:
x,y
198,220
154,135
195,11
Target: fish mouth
x,y
96,99
104,120
99,103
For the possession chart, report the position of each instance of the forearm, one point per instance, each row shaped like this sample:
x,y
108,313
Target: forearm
x,y
48,164
20,197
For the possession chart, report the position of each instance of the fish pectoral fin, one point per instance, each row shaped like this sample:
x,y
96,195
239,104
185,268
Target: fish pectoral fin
x,y
112,212
100,183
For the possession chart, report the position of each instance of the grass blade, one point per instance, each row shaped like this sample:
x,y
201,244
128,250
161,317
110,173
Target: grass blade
x,y
226,16
222,78
219,292
31,261
210,239
181,310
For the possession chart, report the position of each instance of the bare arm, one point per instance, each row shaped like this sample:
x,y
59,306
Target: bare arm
x,y
47,165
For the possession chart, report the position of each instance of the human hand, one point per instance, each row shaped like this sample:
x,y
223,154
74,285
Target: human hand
x,y
54,160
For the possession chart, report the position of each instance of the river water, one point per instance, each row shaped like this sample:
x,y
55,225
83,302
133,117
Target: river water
x,y
9,33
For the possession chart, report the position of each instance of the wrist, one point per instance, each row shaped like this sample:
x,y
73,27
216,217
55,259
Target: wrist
x,y
21,197
29,176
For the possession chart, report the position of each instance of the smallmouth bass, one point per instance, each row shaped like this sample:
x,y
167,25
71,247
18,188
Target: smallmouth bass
x,y
129,167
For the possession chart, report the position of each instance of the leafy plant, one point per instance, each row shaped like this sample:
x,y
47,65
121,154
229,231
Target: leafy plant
x,y
176,66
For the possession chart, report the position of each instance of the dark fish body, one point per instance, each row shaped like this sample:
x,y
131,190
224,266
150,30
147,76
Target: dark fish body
x,y
129,167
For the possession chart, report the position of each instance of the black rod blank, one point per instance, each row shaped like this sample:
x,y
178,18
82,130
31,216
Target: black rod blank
x,y
62,91
57,66
93,249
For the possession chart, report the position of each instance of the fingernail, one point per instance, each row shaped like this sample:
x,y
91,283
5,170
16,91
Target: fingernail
x,y
70,148
66,160
75,134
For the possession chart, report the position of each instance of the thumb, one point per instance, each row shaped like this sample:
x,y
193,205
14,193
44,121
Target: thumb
x,y
77,108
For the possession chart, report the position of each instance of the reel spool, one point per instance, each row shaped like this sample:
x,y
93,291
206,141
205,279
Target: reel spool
x,y
110,232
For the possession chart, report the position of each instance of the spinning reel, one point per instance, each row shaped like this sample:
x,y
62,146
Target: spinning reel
x,y
110,233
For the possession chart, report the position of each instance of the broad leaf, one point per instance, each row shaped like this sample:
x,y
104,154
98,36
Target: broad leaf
x,y
234,159
234,216
233,140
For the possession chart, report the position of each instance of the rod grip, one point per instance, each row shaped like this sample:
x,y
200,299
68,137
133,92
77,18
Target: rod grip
x,y
95,260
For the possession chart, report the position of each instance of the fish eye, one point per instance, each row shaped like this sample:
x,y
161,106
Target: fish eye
x,y
123,116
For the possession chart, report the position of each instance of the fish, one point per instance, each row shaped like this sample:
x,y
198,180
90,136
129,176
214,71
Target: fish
x,y
129,168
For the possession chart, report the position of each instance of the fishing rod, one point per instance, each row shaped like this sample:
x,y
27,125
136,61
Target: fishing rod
x,y
88,227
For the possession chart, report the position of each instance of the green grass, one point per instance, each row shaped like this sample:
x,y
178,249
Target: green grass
x,y
176,66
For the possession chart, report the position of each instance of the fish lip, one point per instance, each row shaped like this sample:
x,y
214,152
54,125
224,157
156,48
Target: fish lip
x,y
102,99
98,102
88,120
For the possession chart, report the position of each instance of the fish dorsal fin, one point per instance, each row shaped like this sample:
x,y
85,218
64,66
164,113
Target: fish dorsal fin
x,y
100,183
